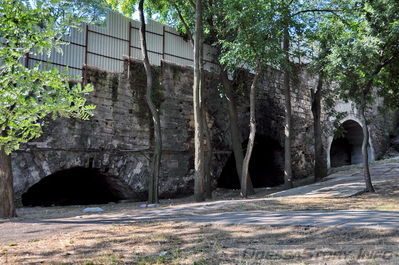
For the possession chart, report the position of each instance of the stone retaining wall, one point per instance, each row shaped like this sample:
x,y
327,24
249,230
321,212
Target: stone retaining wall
x,y
117,139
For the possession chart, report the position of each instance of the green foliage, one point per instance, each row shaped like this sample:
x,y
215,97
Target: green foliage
x,y
27,96
360,37
255,34
91,11
168,12
364,56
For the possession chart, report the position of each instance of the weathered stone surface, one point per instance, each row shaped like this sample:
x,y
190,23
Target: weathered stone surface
x,y
117,139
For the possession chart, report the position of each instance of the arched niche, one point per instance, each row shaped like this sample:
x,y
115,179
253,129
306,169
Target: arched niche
x,y
76,186
346,148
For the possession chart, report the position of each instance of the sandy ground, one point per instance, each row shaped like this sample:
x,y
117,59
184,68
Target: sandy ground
x,y
176,233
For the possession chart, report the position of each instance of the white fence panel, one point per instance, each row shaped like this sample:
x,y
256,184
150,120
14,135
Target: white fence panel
x,y
177,46
154,43
105,46
76,36
72,56
135,37
136,53
155,59
108,64
154,27
116,25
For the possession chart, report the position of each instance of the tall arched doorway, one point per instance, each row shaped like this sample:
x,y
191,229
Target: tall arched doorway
x,y
346,148
76,186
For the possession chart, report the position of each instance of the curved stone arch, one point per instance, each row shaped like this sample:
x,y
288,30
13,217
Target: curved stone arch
x,y
30,167
354,118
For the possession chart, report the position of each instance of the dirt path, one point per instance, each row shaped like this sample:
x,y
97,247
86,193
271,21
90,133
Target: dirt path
x,y
37,223
22,230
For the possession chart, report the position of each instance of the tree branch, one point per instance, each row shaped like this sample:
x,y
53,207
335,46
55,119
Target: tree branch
x,y
183,21
378,69
316,10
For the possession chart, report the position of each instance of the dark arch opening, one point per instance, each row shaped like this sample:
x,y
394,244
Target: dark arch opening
x,y
75,186
346,148
266,166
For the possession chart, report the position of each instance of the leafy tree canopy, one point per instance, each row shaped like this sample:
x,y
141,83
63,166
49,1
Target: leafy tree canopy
x,y
364,55
92,11
27,96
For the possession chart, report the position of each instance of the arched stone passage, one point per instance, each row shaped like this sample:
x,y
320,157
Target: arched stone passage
x,y
76,186
265,168
346,149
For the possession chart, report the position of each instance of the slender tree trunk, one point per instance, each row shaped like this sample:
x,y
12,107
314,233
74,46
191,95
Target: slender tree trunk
x,y
287,126
252,133
365,154
156,158
208,156
320,165
7,203
199,182
234,129
208,153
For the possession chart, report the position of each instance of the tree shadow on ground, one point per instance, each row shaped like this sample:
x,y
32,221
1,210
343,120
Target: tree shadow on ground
x,y
189,243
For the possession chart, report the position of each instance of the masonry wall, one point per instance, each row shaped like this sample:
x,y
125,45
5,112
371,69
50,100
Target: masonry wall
x,y
117,139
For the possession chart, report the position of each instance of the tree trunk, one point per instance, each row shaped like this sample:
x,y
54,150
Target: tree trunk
x,y
252,132
156,158
199,181
320,165
7,204
287,129
208,153
208,156
365,154
236,140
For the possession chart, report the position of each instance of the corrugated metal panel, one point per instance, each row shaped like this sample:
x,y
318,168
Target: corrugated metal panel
x,y
76,36
74,55
154,26
74,73
154,43
155,59
136,53
116,26
176,45
135,41
111,65
106,46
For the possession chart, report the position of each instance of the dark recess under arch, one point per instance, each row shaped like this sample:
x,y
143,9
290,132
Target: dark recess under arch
x,y
75,186
346,149
265,168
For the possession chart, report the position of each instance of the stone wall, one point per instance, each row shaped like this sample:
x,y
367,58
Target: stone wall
x,y
117,139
